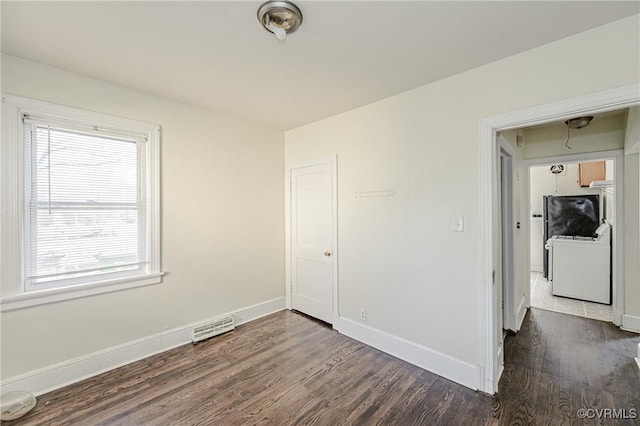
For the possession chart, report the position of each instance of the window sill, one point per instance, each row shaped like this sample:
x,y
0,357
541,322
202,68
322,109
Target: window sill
x,y
25,300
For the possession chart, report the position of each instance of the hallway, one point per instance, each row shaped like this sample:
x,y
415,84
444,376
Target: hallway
x,y
558,364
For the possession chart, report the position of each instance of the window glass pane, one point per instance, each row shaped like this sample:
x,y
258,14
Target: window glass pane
x,y
84,211
78,167
74,240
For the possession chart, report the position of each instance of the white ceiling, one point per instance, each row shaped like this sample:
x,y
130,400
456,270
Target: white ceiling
x,y
346,54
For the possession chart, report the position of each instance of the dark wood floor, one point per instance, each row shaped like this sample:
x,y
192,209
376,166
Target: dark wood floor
x,y
560,363
289,369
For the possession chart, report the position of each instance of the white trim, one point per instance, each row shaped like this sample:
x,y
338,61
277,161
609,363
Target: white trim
x,y
631,323
62,112
59,375
506,146
488,339
595,103
334,217
507,214
289,167
635,149
500,356
256,311
441,364
287,237
332,159
24,300
521,311
526,187
609,100
10,197
618,247
154,201
612,154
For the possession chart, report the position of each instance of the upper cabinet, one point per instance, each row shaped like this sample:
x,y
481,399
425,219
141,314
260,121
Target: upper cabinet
x,y
588,172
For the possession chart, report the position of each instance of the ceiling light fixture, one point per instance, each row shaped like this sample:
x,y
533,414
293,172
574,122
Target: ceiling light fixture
x,y
576,123
579,122
280,17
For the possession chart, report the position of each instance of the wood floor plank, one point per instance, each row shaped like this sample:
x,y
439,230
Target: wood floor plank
x,y
288,369
224,389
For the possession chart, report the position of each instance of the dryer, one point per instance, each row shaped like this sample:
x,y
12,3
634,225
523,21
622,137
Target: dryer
x,y
580,267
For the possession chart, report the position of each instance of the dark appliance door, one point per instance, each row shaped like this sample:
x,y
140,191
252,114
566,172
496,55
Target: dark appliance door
x,y
577,215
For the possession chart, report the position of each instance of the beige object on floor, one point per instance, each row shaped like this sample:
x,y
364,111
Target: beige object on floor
x,y
16,404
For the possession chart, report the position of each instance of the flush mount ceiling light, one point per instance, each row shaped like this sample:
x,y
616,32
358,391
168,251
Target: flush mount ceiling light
x,y
280,17
579,122
576,123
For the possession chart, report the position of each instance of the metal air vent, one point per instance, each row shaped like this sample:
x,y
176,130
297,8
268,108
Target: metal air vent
x,y
212,328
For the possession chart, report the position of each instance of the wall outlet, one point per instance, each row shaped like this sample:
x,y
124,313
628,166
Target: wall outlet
x,y
363,314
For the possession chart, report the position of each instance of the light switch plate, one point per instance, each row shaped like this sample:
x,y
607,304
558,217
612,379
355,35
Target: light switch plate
x,y
457,224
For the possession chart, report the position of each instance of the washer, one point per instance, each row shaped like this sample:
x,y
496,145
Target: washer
x,y
580,267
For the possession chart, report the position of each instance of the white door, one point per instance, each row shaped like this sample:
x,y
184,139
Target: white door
x,y
507,276
312,241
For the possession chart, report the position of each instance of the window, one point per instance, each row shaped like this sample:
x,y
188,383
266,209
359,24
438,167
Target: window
x,y
80,203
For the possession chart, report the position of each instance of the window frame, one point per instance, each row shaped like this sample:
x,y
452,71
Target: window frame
x,y
15,295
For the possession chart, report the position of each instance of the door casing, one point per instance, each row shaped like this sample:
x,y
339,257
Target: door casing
x,y
507,213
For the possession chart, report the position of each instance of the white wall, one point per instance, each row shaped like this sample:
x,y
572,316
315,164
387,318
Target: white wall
x,y
398,257
607,133
223,224
543,182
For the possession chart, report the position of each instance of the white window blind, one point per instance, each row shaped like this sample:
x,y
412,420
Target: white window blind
x,y
85,204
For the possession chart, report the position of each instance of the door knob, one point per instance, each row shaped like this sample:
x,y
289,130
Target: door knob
x,y
327,253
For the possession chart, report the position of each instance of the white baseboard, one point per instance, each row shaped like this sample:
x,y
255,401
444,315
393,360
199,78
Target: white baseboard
x,y
256,311
56,376
500,371
500,357
631,323
443,365
521,312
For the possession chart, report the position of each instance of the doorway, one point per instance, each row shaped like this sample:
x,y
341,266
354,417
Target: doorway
x,y
585,292
311,228
610,100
